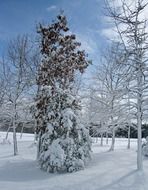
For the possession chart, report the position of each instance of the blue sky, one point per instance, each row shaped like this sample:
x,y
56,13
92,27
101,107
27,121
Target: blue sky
x,y
85,18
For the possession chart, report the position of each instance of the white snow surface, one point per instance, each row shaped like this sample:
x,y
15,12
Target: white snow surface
x,y
106,171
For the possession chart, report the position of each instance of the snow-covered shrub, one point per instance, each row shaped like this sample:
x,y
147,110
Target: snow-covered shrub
x,y
64,143
145,147
4,141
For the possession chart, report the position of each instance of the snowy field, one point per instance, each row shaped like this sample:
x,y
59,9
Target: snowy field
x,y
106,171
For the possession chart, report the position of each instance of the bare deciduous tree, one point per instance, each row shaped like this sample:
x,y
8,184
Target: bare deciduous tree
x,y
131,27
19,70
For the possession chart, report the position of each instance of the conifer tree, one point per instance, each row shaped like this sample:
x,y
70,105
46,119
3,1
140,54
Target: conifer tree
x,y
64,143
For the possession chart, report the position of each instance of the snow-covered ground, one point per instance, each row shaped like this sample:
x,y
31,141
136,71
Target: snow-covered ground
x,y
106,171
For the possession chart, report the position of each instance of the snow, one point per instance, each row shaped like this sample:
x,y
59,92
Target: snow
x,y
107,170
56,153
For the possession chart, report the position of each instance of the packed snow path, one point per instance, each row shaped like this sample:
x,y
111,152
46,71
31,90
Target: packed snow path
x,y
107,170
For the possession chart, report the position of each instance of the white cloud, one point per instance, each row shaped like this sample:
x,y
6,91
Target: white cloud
x,y
110,33
51,8
87,43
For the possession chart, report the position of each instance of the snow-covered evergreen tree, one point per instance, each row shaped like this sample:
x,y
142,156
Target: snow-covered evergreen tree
x,y
64,142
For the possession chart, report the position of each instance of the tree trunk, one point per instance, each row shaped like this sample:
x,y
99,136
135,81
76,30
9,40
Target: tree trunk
x,y
7,132
35,137
113,141
129,131
15,138
139,119
101,142
106,137
39,145
22,131
8,129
